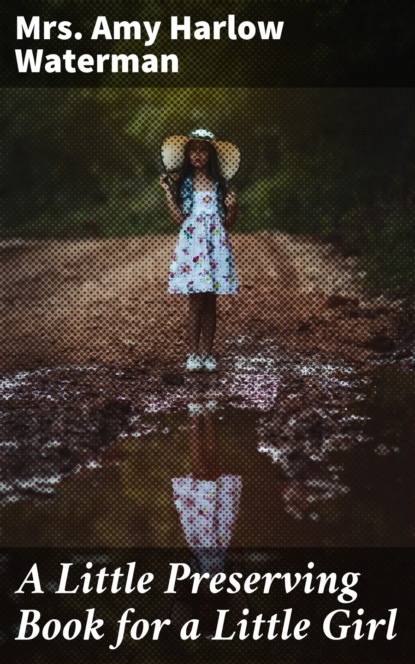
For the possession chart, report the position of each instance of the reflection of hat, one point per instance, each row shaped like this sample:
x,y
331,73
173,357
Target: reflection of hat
x,y
172,152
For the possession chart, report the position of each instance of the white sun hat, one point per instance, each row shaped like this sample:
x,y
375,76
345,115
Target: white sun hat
x,y
172,152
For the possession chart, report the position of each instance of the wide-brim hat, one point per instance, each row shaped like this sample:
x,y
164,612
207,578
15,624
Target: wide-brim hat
x,y
172,152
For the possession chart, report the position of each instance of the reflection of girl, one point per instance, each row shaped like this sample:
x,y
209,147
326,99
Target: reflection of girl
x,y
207,501
208,505
204,206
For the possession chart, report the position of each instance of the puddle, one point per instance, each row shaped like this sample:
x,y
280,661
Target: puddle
x,y
322,455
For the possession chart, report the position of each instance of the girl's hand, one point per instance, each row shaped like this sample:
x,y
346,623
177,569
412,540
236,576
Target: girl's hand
x,y
230,199
164,182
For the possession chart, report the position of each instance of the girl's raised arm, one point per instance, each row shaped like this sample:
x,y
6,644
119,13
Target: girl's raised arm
x,y
231,206
174,211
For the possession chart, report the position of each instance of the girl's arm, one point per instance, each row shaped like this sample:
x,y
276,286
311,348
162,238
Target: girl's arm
x,y
231,206
173,209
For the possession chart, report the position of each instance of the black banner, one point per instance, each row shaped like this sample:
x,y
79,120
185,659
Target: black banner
x,y
125,605
250,44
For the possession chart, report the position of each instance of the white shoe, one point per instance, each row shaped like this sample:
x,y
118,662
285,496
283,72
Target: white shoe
x,y
194,363
209,363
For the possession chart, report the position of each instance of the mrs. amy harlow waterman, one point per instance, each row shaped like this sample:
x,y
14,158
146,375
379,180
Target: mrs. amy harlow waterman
x,y
36,61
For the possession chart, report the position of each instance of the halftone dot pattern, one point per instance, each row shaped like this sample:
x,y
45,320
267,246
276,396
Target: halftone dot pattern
x,y
107,439
94,344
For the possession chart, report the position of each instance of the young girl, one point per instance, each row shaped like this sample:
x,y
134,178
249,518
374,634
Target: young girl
x,y
202,204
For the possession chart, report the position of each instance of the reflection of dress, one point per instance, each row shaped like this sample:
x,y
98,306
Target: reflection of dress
x,y
208,510
203,261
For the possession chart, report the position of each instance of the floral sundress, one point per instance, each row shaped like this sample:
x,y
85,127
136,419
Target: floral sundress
x,y
208,511
203,260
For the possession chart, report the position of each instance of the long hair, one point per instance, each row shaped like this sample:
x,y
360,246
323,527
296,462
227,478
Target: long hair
x,y
213,169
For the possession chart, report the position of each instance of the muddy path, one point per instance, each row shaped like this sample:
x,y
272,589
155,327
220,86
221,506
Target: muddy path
x,y
105,301
309,397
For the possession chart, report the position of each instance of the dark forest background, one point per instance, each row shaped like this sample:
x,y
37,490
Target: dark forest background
x,y
338,164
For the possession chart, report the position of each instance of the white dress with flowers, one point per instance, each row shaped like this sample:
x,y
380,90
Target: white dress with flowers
x,y
203,260
208,510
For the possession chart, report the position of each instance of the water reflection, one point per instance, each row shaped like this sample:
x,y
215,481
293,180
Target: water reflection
x,y
207,501
327,463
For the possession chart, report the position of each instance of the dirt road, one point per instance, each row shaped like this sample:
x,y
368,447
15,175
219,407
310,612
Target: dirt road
x,y
104,301
95,318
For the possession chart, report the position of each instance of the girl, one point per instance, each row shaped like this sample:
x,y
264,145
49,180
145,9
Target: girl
x,y
202,204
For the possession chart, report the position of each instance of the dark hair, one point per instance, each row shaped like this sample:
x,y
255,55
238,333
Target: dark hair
x,y
187,169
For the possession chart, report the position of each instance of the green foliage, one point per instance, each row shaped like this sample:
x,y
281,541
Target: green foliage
x,y
387,244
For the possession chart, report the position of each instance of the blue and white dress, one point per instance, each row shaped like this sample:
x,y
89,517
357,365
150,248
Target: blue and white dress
x,y
203,261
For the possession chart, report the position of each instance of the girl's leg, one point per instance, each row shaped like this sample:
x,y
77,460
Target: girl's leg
x,y
195,320
209,321
204,447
